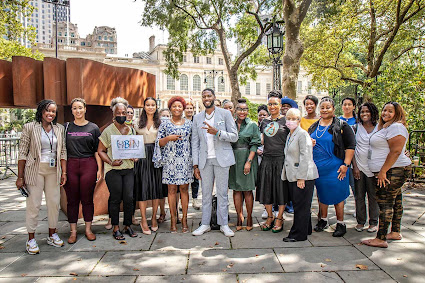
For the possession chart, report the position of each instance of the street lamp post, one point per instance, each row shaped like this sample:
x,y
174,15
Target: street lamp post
x,y
56,3
275,47
212,73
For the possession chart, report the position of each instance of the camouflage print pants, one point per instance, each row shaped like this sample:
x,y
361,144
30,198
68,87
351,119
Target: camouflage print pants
x,y
390,201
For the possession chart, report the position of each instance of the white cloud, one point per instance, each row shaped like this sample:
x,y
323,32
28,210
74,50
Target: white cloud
x,y
124,15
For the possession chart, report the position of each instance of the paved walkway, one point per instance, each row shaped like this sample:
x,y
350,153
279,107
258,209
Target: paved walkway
x,y
248,257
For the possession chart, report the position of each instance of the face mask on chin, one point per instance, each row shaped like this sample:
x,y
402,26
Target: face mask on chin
x,y
120,119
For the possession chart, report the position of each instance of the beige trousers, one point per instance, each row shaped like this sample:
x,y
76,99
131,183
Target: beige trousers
x,y
47,182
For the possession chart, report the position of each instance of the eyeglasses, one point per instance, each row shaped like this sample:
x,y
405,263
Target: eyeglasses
x,y
242,109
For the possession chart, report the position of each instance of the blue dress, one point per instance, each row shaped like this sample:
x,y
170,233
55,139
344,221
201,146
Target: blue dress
x,y
330,190
176,156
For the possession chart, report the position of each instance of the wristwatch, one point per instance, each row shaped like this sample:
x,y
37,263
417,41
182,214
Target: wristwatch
x,y
249,160
347,165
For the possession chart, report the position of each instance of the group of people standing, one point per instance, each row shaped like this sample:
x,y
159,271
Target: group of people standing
x,y
282,158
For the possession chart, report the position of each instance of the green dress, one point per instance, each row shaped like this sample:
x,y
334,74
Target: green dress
x,y
249,140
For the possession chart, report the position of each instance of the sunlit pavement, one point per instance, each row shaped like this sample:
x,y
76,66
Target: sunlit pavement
x,y
250,256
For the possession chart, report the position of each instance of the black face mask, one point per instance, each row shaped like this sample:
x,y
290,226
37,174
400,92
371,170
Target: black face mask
x,y
120,119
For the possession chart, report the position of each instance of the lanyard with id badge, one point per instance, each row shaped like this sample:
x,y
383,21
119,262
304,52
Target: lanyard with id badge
x,y
52,160
369,151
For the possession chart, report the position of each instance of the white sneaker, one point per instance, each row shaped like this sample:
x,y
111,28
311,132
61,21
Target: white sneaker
x,y
265,214
201,230
227,231
195,204
32,247
55,241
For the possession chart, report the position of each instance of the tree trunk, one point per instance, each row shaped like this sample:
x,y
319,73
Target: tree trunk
x,y
294,48
234,84
291,67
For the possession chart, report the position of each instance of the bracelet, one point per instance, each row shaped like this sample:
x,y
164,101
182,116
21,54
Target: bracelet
x,y
63,173
217,134
249,160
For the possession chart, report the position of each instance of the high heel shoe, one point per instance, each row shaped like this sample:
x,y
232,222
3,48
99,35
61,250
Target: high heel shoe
x,y
154,229
173,228
239,224
161,218
277,229
185,227
267,227
146,232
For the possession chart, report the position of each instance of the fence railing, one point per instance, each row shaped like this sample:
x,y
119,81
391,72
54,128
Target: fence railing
x,y
9,154
417,153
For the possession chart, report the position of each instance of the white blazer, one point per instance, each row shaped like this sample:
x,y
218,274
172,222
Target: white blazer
x,y
299,164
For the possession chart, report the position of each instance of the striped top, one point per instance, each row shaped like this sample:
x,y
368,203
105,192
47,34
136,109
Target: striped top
x,y
30,150
105,138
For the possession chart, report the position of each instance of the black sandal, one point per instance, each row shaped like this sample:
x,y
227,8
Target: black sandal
x,y
118,235
130,232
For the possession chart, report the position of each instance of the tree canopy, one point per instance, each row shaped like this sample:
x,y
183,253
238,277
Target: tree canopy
x,y
12,30
203,26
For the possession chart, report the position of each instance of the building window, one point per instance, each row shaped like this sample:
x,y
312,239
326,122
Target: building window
x,y
184,82
258,88
105,38
221,86
195,59
196,83
83,43
99,37
110,38
220,61
171,84
184,58
59,33
268,88
300,86
248,89
210,82
209,60
309,87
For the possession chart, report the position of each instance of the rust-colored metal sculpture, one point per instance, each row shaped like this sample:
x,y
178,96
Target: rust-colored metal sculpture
x,y
25,81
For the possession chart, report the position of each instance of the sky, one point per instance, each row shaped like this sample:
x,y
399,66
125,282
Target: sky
x,y
125,17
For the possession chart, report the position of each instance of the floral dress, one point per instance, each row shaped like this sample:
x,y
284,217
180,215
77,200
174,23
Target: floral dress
x,y
176,156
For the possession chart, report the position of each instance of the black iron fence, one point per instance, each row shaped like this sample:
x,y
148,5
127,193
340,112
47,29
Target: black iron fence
x,y
9,151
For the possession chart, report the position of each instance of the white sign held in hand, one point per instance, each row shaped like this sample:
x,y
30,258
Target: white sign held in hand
x,y
127,146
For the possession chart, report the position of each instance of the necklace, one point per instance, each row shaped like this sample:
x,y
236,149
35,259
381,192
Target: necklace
x,y
178,123
322,131
209,116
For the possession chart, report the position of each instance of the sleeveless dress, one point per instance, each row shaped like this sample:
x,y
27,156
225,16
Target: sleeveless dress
x,y
330,190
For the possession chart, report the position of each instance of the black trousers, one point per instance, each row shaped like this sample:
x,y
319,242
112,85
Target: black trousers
x,y
120,185
301,200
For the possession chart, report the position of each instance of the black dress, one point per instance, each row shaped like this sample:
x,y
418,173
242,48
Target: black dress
x,y
270,187
148,179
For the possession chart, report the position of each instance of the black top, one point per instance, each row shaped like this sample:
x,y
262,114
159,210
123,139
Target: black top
x,y
342,136
274,135
82,141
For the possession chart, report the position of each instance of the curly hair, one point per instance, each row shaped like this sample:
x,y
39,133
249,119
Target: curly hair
x,y
312,98
176,98
78,99
262,107
275,93
327,99
43,106
118,100
143,120
374,112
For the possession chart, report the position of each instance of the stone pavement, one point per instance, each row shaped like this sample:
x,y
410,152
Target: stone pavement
x,y
248,257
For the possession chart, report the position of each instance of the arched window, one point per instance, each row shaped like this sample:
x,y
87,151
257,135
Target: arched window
x,y
184,82
221,86
196,83
171,84
210,82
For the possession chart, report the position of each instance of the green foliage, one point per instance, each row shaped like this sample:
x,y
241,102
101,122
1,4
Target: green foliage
x,y
202,27
19,117
12,30
252,110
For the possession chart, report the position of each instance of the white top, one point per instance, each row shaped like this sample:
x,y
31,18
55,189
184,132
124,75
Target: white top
x,y
149,135
47,145
380,147
210,138
362,149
